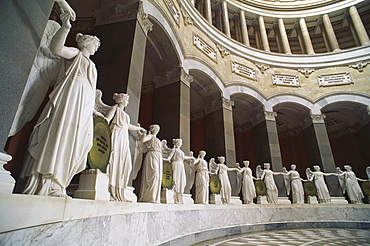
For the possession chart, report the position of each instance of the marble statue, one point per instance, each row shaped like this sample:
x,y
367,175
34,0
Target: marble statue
x,y
177,158
62,137
221,169
368,172
151,181
294,184
349,183
267,175
120,164
248,189
201,179
318,178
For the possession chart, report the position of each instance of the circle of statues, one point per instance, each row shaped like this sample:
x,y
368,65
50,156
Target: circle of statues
x,y
62,138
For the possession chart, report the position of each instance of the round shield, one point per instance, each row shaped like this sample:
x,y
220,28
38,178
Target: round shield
x,y
214,184
309,188
366,187
99,154
167,176
261,189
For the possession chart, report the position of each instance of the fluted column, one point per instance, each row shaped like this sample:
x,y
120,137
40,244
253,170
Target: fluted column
x,y
225,19
306,37
359,26
244,29
208,11
330,32
284,37
265,41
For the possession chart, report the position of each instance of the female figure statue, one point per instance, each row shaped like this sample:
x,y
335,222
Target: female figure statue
x,y
177,157
317,177
62,137
151,180
248,189
201,179
120,165
222,170
349,183
267,176
294,184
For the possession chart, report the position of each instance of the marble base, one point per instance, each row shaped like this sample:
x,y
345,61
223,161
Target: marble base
x,y
167,196
236,200
262,200
187,199
93,185
215,199
130,195
311,200
284,200
6,180
338,200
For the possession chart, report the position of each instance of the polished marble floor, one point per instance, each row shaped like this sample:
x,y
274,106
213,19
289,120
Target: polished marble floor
x,y
311,237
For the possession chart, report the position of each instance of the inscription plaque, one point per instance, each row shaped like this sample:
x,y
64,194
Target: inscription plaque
x,y
309,188
261,189
214,184
167,176
335,79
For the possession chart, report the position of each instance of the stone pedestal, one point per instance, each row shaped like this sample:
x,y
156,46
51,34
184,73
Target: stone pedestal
x,y
215,199
338,200
284,200
130,195
311,200
187,199
167,196
6,180
235,200
93,185
262,200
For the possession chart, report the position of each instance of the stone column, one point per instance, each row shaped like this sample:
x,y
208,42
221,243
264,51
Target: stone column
x,y
257,37
359,26
265,41
208,11
218,19
284,37
319,152
278,41
244,28
330,32
220,135
354,34
225,19
306,36
325,37
300,41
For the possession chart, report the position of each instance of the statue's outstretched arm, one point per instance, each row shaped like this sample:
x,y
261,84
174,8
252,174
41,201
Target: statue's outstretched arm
x,y
65,6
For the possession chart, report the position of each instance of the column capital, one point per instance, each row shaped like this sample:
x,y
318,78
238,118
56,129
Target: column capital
x,y
220,103
318,118
119,13
270,115
172,77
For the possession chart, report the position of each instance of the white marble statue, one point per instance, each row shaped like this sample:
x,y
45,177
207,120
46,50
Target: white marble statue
x,y
120,164
62,137
221,169
293,184
317,177
152,166
368,172
177,158
201,179
248,189
267,175
349,183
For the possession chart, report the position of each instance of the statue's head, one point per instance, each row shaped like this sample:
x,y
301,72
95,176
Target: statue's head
x,y
347,167
266,165
316,167
87,41
221,159
154,129
293,166
202,154
121,98
177,142
246,163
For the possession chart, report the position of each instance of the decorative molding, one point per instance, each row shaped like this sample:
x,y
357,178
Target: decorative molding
x,y
219,104
83,26
335,79
121,13
148,88
243,128
205,48
359,66
224,52
196,115
270,115
262,67
172,77
227,103
242,70
306,71
318,118
291,132
186,17
173,10
288,80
